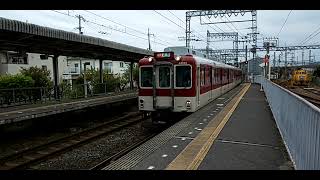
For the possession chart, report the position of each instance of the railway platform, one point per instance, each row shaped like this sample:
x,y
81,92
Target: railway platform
x,y
235,131
26,112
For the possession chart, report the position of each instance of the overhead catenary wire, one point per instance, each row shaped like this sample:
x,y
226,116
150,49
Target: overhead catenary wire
x,y
110,28
169,20
184,22
309,37
173,22
115,22
203,40
284,23
123,25
242,36
214,25
312,37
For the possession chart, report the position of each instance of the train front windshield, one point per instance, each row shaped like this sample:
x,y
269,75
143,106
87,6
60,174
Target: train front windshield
x,y
146,76
183,76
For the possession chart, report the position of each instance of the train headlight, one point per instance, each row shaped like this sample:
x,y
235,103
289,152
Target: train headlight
x,y
188,104
141,103
150,59
178,58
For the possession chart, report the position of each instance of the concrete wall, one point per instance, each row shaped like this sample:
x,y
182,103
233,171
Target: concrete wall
x,y
33,60
94,63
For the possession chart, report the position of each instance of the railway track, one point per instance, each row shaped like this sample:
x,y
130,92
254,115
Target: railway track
x,y
42,152
116,156
310,95
313,91
310,99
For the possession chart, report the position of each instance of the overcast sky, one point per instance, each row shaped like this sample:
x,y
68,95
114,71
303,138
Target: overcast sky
x,y
131,27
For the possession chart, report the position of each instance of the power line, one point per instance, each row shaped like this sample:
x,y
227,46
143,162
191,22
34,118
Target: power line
x,y
169,19
124,25
125,32
312,37
184,22
63,13
242,36
116,22
175,23
109,27
176,17
284,23
305,40
214,25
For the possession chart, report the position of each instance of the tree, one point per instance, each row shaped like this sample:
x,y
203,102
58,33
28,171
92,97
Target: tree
x,y
92,76
135,74
40,76
316,73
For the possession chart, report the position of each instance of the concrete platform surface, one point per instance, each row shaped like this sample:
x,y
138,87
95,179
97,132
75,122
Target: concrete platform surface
x,y
250,139
245,137
158,152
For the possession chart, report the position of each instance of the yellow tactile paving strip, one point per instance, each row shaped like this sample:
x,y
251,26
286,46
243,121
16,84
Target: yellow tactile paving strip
x,y
192,156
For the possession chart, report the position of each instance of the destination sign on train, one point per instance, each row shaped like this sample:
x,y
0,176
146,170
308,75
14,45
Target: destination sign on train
x,y
164,55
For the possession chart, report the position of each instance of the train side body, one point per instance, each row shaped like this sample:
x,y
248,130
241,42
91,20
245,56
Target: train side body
x,y
183,85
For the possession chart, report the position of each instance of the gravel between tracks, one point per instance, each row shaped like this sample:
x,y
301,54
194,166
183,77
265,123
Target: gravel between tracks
x,y
88,155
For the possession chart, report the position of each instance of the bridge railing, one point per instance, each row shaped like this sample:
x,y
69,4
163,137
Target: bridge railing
x,y
298,122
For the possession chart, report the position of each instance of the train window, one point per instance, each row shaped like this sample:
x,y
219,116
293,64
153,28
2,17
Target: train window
x,y
164,77
202,76
146,76
183,76
213,76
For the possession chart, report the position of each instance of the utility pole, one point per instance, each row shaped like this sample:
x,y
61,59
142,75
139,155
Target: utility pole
x,y
84,78
247,60
274,59
309,56
267,61
285,64
80,32
207,47
279,60
80,27
149,39
302,58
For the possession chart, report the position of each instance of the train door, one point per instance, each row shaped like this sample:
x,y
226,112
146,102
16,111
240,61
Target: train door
x,y
198,85
210,77
163,90
220,79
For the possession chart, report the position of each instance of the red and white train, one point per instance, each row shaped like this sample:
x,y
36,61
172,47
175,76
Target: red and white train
x,y
180,80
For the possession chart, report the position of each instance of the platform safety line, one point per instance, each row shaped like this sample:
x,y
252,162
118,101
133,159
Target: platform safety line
x,y
188,159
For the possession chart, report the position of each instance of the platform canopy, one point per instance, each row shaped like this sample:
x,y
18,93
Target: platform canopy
x,y
25,37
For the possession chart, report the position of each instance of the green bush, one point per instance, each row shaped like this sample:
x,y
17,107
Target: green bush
x,y
93,77
15,81
40,76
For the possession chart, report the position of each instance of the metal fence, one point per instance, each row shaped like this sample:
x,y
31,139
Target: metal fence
x,y
298,122
23,96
